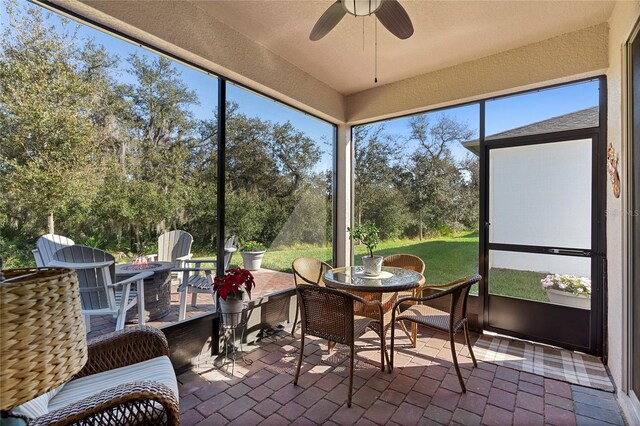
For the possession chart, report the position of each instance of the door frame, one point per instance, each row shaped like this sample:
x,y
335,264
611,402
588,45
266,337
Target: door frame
x,y
631,198
597,332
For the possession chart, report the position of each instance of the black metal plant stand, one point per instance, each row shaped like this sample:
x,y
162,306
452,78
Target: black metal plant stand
x,y
231,321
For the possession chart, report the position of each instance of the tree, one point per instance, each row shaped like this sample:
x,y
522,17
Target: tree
x,y
432,175
51,163
375,156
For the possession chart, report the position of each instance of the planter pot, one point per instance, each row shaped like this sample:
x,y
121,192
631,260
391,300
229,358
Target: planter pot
x,y
372,265
252,260
568,299
231,310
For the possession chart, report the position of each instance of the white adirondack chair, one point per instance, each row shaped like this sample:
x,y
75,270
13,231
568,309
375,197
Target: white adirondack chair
x,y
196,279
99,293
46,246
173,246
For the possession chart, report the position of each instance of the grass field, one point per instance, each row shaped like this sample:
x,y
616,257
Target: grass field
x,y
446,259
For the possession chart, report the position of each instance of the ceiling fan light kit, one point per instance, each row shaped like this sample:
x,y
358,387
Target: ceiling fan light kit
x,y
390,13
361,7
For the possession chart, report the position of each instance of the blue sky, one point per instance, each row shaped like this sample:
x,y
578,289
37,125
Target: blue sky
x,y
501,114
509,112
205,86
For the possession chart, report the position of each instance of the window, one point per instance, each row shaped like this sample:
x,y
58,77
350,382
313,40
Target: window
x,y
279,180
417,179
121,141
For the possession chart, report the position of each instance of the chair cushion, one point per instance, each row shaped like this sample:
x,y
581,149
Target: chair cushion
x,y
37,406
157,369
426,315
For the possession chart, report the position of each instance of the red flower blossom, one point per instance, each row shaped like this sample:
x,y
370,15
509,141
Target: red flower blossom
x,y
233,281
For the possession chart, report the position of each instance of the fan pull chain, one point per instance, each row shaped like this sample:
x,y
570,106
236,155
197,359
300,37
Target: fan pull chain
x,y
363,34
375,78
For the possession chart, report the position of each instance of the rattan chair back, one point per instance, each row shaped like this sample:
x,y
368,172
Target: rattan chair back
x,y
405,261
459,296
174,244
93,291
307,270
326,313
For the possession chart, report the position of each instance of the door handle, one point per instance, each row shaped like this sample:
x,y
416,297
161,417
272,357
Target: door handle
x,y
570,252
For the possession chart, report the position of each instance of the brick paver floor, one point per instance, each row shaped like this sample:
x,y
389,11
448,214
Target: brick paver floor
x,y
267,282
423,389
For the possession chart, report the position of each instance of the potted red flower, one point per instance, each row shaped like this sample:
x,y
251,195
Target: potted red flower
x,y
231,288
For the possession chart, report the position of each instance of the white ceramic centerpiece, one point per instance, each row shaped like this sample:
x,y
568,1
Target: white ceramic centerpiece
x,y
369,235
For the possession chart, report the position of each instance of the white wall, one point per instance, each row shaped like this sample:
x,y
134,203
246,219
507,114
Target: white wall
x,y
541,196
621,24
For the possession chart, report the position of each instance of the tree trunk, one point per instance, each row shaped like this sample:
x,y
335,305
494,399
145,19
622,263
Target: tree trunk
x,y
50,227
420,221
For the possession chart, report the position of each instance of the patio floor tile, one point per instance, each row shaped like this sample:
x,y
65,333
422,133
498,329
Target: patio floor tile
x,y
274,420
524,417
214,404
502,399
267,407
559,417
380,412
310,397
437,414
557,388
292,410
249,418
321,411
530,402
190,417
466,418
263,392
446,399
407,414
496,416
237,408
505,386
531,388
473,402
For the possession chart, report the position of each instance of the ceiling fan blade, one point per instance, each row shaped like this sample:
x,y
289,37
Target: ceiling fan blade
x,y
394,18
327,21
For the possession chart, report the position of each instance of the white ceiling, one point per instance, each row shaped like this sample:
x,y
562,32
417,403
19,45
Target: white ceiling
x,y
446,33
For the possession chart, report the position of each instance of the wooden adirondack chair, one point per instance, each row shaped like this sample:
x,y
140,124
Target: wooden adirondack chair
x,y
173,246
46,246
99,292
196,279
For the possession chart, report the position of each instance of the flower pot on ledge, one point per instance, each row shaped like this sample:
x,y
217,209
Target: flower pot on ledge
x,y
568,299
252,260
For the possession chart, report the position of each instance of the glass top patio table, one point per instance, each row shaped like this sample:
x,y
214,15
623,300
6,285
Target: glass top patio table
x,y
390,280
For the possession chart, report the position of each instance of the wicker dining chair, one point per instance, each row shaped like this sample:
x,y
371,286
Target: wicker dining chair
x,y
412,263
451,322
329,314
307,270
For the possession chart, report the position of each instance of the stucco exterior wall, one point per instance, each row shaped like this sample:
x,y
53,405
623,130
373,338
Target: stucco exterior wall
x,y
220,49
580,53
621,24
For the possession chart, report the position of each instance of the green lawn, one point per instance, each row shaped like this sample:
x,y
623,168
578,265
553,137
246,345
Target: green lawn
x,y
446,259
522,284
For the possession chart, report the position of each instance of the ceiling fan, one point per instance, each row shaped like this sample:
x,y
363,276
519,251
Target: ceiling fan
x,y
389,12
